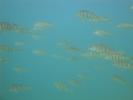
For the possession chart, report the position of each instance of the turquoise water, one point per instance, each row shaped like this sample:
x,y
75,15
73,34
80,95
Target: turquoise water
x,y
51,60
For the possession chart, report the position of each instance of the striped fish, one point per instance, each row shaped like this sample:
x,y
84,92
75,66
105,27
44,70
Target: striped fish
x,y
91,16
11,27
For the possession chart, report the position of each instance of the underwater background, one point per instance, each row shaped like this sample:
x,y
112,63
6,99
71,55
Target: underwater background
x,y
66,50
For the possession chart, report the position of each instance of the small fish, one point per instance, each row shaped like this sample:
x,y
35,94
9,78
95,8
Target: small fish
x,y
5,26
6,48
125,26
41,25
116,57
72,49
74,82
39,52
73,58
11,27
61,86
91,16
3,60
100,50
123,64
68,46
78,80
17,88
102,33
19,43
81,77
36,37
64,44
119,79
57,56
131,7
20,69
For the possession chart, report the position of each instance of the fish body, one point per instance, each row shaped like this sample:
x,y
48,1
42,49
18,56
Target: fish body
x,y
6,48
17,88
41,25
125,26
102,33
91,16
4,26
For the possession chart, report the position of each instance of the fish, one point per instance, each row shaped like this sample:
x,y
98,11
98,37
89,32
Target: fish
x,y
36,37
39,52
3,60
100,50
125,26
72,49
61,86
119,79
123,64
6,48
64,44
102,33
68,46
20,69
41,25
118,58
73,58
11,27
74,82
17,88
131,7
106,52
5,26
81,77
19,43
58,56
91,16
